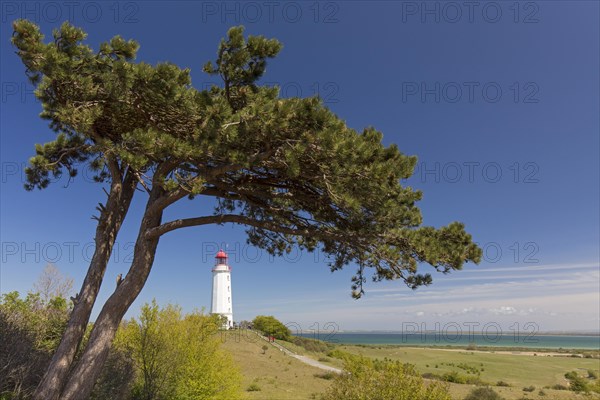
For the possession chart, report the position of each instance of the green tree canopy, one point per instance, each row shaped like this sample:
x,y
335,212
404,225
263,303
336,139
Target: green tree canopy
x,y
271,326
290,169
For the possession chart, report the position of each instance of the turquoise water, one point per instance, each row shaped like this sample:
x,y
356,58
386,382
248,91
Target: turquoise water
x,y
528,340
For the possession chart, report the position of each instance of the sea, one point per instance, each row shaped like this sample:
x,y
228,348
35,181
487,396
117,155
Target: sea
x,y
463,339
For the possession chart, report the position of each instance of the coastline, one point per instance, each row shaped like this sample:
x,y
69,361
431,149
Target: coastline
x,y
560,344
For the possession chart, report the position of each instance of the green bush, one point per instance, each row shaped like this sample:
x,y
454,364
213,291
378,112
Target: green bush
x,y
571,375
313,345
429,375
270,326
30,331
326,375
469,368
389,380
502,383
178,356
483,393
576,382
455,377
343,355
117,377
253,388
594,386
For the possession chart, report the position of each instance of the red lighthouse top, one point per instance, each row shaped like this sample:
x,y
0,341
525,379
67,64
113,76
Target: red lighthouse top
x,y
221,254
221,257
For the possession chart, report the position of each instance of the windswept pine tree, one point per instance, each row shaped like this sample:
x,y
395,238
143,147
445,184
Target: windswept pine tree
x,y
289,170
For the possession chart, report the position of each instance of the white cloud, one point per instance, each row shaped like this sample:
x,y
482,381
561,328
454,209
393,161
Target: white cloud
x,y
554,298
504,310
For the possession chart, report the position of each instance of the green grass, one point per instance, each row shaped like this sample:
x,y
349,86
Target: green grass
x,y
281,377
517,370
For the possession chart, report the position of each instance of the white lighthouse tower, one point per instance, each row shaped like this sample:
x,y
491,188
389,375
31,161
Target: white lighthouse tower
x,y
221,289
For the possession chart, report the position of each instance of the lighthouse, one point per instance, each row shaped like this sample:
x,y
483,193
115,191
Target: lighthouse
x,y
221,289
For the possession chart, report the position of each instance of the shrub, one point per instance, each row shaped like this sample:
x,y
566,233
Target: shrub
x,y
30,331
558,386
314,345
592,374
455,377
343,355
178,356
326,375
502,383
117,376
576,383
594,386
529,389
253,388
389,380
483,393
270,326
468,368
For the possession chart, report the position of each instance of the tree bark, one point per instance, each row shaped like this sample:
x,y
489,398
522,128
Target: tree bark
x,y
109,224
88,368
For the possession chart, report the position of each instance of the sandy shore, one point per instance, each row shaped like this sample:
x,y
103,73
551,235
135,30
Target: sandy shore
x,y
514,353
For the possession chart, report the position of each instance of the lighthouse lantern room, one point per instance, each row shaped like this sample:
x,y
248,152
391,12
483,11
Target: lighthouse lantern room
x,y
221,289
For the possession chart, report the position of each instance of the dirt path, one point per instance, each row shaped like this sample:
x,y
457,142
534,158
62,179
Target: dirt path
x,y
314,363
304,359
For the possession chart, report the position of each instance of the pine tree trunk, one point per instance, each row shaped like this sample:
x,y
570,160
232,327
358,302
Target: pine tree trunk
x,y
88,368
109,224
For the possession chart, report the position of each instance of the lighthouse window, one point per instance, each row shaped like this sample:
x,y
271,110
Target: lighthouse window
x,y
229,299
228,288
227,277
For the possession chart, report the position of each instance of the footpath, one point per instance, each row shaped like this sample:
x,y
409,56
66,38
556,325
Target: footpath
x,y
304,359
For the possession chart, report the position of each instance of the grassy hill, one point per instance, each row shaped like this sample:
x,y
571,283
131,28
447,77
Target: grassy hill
x,y
518,371
278,376
281,377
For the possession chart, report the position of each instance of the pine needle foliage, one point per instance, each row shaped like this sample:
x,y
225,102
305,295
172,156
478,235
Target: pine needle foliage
x,y
290,170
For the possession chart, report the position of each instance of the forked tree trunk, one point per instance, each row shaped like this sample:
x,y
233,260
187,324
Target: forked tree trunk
x,y
109,224
88,368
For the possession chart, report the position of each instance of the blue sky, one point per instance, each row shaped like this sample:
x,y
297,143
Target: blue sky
x,y
500,102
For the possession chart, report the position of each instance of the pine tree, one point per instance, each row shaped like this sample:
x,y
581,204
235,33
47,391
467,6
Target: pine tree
x,y
289,170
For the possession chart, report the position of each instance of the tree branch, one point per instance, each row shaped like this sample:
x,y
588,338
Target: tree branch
x,y
220,219
138,176
206,174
